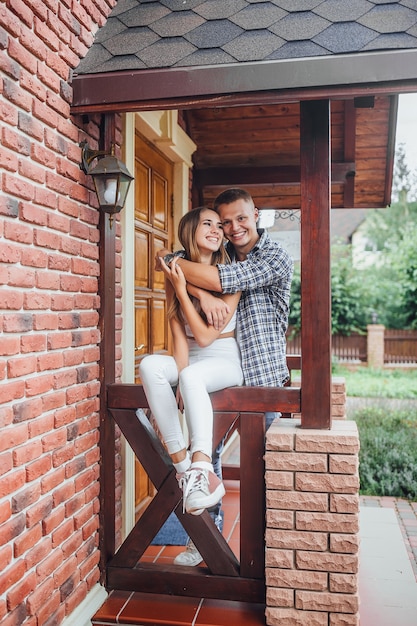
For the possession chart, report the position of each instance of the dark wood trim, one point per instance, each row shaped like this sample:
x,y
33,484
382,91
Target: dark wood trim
x,y
283,175
107,324
315,264
349,150
259,97
389,170
331,76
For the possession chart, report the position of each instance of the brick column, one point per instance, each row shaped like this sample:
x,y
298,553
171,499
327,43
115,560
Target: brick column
x,y
338,397
312,542
375,345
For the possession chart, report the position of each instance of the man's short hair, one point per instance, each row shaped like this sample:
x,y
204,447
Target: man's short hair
x,y
231,195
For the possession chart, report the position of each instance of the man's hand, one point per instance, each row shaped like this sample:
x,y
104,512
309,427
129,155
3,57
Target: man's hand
x,y
215,309
160,254
174,274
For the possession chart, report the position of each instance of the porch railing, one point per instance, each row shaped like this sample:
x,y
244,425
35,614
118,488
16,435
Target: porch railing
x,y
225,576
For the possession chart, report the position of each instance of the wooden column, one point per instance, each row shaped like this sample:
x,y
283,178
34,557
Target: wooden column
x,y
315,264
107,369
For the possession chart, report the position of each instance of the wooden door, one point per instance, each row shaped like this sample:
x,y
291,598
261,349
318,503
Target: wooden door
x,y
153,231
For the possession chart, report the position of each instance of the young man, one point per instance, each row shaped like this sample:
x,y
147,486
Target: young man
x,y
262,270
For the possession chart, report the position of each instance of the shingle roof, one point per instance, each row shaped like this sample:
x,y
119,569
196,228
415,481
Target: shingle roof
x,y
144,34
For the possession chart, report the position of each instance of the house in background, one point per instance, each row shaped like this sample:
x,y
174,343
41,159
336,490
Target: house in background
x,y
195,96
346,227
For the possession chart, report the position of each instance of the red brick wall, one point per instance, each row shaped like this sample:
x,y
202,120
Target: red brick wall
x,y
49,310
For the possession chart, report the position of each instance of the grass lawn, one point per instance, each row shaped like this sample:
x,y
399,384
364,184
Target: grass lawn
x,y
368,383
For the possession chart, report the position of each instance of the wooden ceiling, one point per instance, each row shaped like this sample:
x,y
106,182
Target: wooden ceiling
x,y
258,148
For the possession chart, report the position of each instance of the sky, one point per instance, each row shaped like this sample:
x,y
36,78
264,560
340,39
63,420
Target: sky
x,y
407,127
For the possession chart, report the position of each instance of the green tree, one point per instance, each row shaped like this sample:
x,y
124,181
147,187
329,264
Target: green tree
x,y
389,287
404,187
350,303
294,318
406,261
385,228
392,284
351,310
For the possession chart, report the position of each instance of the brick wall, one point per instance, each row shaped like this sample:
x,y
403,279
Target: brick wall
x,y
312,540
49,310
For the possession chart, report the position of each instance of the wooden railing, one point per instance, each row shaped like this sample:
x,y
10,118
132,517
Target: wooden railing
x,y
225,576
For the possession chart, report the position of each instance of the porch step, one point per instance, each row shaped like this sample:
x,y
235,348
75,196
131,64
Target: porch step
x,y
145,609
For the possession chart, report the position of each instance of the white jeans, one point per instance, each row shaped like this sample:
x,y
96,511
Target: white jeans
x,y
210,369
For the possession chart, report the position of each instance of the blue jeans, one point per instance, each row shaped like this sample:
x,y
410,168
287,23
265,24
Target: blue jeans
x,y
215,511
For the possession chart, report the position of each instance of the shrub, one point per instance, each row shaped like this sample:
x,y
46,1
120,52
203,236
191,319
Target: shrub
x,y
388,453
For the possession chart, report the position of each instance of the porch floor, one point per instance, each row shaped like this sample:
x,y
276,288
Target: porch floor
x,y
387,576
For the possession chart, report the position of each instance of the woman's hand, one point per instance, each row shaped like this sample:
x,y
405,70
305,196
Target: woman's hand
x,y
175,275
179,399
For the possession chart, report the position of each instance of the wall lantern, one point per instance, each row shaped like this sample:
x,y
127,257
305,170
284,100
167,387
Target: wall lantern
x,y
111,178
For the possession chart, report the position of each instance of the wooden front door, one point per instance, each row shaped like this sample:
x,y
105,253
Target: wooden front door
x,y
153,231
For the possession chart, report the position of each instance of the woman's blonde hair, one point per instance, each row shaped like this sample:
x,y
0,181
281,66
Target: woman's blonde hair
x,y
187,235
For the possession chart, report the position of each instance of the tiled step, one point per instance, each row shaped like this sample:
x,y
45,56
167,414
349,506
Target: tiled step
x,y
127,608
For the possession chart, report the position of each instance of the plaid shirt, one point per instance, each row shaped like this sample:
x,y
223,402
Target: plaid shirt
x,y
265,281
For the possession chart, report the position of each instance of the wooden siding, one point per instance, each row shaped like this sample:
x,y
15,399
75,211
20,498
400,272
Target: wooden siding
x,y
258,147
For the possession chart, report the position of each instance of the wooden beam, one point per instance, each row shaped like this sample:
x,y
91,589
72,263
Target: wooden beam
x,y
180,581
232,399
315,264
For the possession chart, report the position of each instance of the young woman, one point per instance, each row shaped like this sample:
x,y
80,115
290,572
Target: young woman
x,y
204,360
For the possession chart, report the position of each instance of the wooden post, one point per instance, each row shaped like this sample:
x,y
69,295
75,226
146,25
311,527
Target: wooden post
x,y
107,529
315,264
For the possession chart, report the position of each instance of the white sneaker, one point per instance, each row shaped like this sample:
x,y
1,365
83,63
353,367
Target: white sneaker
x,y
183,482
190,556
203,490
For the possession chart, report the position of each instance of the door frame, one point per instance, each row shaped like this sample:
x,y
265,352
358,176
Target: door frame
x,y
162,130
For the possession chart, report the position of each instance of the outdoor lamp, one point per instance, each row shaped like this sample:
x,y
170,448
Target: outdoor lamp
x,y
111,178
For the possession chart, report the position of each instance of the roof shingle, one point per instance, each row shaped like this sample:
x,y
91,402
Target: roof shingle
x,y
155,34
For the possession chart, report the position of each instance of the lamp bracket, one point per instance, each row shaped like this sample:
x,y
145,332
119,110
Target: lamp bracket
x,y
88,155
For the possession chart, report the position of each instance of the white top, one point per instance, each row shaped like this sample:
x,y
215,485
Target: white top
x,y
231,325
